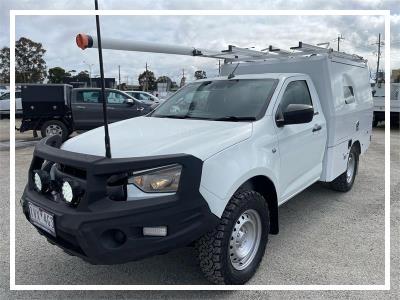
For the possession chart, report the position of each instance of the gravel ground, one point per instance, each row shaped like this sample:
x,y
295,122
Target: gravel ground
x,y
326,238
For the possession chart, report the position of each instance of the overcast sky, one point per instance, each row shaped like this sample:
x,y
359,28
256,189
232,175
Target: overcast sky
x,y
57,33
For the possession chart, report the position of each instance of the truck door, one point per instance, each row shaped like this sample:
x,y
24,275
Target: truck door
x,y
301,146
119,109
87,111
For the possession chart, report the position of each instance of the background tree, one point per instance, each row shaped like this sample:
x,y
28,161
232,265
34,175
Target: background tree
x,y
147,81
29,63
5,65
200,74
58,75
81,76
165,79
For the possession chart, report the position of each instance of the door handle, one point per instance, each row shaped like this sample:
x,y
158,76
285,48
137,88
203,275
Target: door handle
x,y
111,108
80,107
140,108
316,127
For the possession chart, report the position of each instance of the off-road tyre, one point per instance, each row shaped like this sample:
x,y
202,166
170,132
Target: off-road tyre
x,y
213,248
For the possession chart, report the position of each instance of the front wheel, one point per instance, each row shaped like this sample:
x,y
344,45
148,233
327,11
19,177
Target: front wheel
x,y
345,181
232,252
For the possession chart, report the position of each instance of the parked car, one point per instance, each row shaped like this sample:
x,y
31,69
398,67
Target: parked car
x,y
210,166
378,93
144,97
5,104
60,109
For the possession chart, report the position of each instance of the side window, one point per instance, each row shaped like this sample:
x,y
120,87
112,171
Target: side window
x,y
146,97
87,97
348,94
5,96
296,93
115,98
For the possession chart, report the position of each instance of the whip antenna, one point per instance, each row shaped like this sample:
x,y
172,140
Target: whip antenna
x,y
103,90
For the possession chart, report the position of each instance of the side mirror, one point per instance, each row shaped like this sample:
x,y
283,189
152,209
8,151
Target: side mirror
x,y
130,102
295,114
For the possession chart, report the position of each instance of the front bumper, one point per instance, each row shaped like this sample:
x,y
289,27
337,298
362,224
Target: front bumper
x,y
88,230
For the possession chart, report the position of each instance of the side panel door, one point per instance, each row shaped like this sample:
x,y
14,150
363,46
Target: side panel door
x,y
119,109
301,146
87,110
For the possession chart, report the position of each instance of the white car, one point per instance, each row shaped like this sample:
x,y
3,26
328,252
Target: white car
x,y
5,104
209,166
144,97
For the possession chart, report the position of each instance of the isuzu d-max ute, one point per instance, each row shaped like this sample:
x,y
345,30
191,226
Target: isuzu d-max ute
x,y
209,167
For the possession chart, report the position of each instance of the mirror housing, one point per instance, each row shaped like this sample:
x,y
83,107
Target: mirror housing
x,y
130,101
295,114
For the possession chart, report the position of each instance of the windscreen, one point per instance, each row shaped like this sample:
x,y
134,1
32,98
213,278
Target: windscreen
x,y
234,99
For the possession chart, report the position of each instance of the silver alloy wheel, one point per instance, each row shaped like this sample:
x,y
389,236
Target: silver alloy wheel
x,y
245,239
53,129
351,165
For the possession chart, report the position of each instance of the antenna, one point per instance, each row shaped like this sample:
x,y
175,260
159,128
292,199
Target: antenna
x,y
103,89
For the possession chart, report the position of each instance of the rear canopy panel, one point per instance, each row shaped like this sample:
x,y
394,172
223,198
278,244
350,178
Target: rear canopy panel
x,y
45,100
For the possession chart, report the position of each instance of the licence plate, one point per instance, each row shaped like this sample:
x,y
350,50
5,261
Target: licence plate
x,y
42,219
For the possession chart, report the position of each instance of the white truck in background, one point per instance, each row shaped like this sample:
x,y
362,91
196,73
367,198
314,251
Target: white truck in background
x,y
210,165
378,93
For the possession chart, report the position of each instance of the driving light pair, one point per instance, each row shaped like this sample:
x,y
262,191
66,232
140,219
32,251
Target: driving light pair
x,y
158,180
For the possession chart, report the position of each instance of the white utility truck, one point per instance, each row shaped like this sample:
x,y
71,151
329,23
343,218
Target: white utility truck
x,y
211,165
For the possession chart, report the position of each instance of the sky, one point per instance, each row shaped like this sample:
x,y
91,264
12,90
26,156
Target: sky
x,y
57,33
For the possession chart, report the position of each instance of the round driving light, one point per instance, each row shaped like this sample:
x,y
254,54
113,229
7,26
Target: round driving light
x,y
70,192
67,192
41,181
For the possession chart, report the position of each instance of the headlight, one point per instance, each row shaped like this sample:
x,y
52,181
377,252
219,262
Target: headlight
x,y
41,181
158,180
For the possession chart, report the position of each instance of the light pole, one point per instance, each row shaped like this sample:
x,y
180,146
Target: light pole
x,y
90,72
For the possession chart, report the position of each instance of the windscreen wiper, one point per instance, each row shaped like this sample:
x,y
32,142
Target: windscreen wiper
x,y
235,118
173,116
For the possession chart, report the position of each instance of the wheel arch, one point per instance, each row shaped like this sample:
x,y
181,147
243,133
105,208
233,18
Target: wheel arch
x,y
265,186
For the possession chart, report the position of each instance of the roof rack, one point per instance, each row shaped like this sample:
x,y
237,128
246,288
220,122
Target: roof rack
x,y
236,54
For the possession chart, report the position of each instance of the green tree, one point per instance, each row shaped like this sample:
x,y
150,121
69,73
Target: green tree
x,y
29,63
81,76
165,79
58,75
147,81
5,65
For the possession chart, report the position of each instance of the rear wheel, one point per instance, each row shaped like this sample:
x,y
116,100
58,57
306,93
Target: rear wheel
x,y
55,127
345,181
232,252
